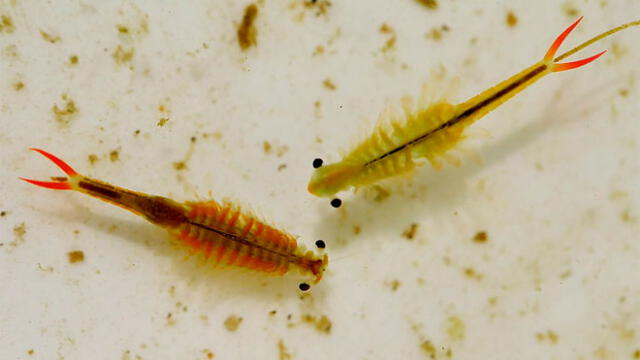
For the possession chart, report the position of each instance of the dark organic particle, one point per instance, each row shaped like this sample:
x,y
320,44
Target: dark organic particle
x,y
247,33
75,256
430,4
512,19
480,237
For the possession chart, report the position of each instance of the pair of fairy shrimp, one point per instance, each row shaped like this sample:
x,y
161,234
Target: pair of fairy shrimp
x,y
228,236
432,129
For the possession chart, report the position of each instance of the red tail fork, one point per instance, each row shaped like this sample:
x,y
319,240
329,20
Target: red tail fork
x,y
56,184
556,45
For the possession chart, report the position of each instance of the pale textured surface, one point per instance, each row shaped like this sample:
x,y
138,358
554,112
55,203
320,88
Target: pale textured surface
x,y
557,190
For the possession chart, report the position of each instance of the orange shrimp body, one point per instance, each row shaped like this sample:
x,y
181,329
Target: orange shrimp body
x,y
431,130
221,233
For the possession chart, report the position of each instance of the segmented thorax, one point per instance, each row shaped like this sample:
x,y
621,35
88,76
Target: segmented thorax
x,y
427,131
228,236
395,144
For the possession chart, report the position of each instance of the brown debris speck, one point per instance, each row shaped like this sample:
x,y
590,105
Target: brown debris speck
x,y
434,34
73,59
549,335
430,4
114,155
380,194
30,352
356,229
266,147
328,84
18,85
428,349
456,328
321,6
93,158
410,233
11,52
232,322
179,165
121,56
18,233
50,38
6,24
122,29
322,323
48,269
570,9
512,19
279,151
75,256
391,41
394,284
480,237
247,33
319,50
283,352
64,114
472,274
3,213
162,121
170,319
317,110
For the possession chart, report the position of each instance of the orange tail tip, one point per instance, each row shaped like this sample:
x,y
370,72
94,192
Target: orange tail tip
x,y
56,185
556,45
575,64
560,39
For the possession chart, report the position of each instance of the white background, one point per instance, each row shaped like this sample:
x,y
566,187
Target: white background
x,y
556,186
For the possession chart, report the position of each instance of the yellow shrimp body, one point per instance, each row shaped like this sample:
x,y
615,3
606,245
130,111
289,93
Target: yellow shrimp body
x,y
429,132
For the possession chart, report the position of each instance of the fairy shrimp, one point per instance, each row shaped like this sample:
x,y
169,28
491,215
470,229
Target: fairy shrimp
x,y
222,233
434,128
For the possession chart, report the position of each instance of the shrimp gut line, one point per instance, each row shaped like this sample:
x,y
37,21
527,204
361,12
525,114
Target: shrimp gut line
x,y
457,118
238,239
114,195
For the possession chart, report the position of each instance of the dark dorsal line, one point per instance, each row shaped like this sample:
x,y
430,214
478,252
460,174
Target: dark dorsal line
x,y
465,114
99,189
240,240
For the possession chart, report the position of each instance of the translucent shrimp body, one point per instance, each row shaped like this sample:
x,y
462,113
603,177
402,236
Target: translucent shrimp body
x,y
431,130
221,233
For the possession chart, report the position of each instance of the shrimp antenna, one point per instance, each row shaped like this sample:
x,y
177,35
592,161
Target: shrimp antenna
x,y
56,185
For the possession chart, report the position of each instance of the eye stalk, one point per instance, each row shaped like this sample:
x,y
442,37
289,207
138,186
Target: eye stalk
x,y
317,162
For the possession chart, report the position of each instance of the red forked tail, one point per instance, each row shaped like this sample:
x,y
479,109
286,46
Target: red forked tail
x,y
572,64
57,184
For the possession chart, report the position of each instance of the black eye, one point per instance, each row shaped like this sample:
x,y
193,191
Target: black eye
x,y
317,162
320,244
336,203
304,287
